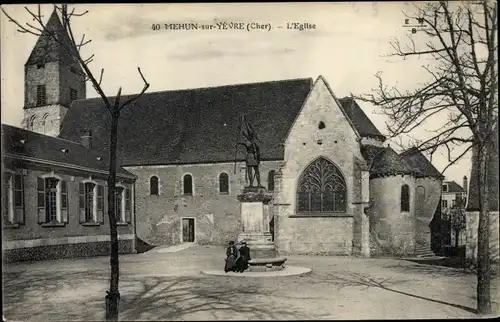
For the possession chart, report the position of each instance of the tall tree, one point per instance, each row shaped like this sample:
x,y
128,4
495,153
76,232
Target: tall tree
x,y
458,47
66,38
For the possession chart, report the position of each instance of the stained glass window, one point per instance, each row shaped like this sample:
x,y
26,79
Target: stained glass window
x,y
322,188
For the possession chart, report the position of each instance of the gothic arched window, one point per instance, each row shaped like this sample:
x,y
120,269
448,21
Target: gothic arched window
x,y
405,198
270,181
44,123
153,186
31,123
223,183
322,189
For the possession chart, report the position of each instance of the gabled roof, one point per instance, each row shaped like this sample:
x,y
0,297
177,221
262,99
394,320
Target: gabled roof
x,y
24,143
387,162
363,124
418,161
47,49
193,125
453,187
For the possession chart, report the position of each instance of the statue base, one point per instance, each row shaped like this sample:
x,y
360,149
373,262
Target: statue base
x,y
255,217
260,244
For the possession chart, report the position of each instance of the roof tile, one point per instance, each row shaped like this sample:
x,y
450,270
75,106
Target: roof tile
x,y
30,144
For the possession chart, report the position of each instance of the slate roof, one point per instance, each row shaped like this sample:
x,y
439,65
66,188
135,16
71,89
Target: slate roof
x,y
388,162
417,160
193,125
369,152
47,49
453,187
361,122
50,149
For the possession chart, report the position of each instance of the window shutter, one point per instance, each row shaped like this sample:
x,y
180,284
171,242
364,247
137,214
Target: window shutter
x,y
18,199
64,201
41,200
81,202
100,204
128,215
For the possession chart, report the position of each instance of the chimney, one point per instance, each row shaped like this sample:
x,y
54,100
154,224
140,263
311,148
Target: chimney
x,y
466,185
87,139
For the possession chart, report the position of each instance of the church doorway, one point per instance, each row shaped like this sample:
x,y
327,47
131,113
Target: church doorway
x,y
188,232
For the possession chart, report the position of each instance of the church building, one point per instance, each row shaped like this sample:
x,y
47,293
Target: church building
x,y
337,187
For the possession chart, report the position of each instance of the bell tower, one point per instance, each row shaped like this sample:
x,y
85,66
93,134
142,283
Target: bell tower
x,y
52,80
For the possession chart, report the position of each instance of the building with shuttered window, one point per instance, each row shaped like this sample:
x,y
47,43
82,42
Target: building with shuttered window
x,y
54,198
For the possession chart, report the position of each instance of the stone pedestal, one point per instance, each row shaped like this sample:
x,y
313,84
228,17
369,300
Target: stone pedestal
x,y
255,218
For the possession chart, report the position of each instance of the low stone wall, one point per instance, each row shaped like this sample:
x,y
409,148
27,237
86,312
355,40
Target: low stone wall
x,y
472,222
64,251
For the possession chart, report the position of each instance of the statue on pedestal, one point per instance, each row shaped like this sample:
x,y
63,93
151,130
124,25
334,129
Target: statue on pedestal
x,y
252,153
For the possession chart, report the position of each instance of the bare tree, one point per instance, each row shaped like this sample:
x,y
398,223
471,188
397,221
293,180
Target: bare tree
x,y
459,52
66,38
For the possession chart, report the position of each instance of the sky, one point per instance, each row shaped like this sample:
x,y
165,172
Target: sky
x,y
347,47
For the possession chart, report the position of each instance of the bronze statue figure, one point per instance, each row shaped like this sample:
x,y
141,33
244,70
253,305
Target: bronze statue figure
x,y
252,158
252,152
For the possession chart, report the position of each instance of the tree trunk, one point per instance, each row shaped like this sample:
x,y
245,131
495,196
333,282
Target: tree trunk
x,y
113,296
483,237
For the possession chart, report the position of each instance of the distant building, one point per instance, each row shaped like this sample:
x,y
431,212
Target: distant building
x,y
453,196
452,192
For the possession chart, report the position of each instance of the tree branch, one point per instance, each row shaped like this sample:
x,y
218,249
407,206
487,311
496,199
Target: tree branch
x,y
136,97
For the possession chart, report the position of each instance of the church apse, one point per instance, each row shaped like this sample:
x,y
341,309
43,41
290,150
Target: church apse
x,y
392,224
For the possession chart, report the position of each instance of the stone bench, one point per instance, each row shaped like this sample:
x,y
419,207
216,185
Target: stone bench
x,y
268,262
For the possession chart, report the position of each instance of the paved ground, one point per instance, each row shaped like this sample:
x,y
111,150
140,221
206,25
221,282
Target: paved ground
x,y
166,285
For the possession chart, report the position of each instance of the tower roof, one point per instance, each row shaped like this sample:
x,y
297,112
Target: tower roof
x,y
417,160
47,48
388,162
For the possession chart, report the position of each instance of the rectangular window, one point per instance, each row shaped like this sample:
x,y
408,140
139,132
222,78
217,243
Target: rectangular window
x,y
41,97
445,188
51,199
89,202
128,205
6,189
445,204
18,199
73,94
100,197
13,198
118,204
100,204
18,191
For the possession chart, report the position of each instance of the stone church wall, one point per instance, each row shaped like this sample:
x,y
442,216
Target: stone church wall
x,y
217,216
392,230
427,195
308,140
